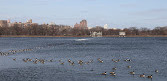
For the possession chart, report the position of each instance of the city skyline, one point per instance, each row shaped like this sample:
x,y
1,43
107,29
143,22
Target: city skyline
x,y
117,13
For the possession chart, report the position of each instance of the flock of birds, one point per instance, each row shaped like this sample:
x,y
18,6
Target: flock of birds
x,y
81,62
131,73
13,52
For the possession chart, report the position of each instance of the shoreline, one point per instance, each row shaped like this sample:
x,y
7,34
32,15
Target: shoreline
x,y
83,36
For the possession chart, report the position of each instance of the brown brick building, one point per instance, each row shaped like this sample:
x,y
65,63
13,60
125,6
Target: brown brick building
x,y
82,25
3,23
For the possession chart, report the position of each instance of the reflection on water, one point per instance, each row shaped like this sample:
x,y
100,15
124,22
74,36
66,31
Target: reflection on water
x,y
84,59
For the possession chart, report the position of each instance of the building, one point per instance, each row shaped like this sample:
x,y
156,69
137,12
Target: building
x,y
82,25
8,21
20,24
52,23
89,27
96,34
3,23
29,21
106,26
122,34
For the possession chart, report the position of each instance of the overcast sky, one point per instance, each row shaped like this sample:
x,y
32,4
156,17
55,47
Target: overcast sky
x,y
115,13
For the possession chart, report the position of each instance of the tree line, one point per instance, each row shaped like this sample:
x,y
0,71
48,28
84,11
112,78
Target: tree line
x,y
64,30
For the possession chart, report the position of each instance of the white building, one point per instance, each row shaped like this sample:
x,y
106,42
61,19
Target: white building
x,y
89,27
96,34
106,26
122,34
52,23
114,28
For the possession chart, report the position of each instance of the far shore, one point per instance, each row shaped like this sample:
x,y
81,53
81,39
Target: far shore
x,y
84,36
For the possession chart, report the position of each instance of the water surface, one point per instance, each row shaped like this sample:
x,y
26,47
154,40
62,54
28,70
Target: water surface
x,y
147,55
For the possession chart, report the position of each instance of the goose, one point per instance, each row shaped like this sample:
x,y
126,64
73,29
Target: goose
x,y
149,76
129,66
60,60
87,62
114,68
132,73
42,61
92,69
98,59
35,62
143,75
105,73
14,59
101,61
62,63
156,71
127,60
115,61
112,72
80,62
90,61
24,60
51,60
29,59
69,60
72,63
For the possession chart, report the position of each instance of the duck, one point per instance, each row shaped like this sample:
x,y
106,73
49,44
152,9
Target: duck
x,y
105,73
149,76
142,75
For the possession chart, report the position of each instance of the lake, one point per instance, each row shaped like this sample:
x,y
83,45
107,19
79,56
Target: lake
x,y
82,58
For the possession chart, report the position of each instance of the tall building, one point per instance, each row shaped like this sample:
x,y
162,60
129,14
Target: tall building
x,y
3,23
8,21
82,25
105,26
29,21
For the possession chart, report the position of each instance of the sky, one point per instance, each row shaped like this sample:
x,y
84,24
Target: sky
x,y
115,13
